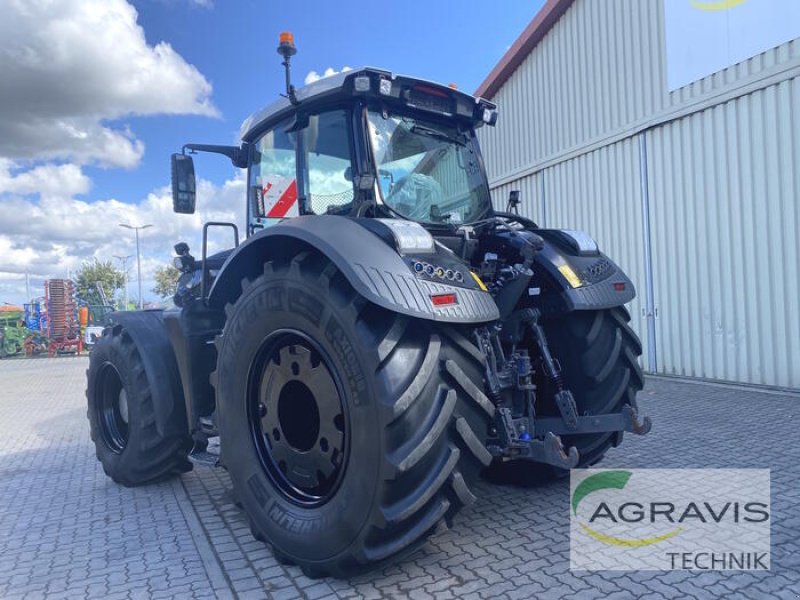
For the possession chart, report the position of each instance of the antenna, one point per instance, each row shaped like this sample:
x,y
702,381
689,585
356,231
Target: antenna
x,y
287,50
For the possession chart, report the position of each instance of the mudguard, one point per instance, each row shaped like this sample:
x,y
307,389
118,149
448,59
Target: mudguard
x,y
148,333
372,266
602,284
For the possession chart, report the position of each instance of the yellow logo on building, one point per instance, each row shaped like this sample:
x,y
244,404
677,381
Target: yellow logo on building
x,y
716,5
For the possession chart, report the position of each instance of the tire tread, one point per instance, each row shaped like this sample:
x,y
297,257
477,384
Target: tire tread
x,y
427,475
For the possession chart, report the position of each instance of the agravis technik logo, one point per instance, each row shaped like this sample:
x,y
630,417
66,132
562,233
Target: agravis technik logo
x,y
611,480
699,519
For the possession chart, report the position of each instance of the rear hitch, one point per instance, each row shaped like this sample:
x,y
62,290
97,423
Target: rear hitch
x,y
550,450
632,422
565,402
518,443
625,420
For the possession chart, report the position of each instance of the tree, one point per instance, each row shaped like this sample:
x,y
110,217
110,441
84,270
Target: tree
x,y
166,280
97,271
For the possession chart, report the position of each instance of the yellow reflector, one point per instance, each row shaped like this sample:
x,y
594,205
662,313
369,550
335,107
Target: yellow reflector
x,y
479,282
570,275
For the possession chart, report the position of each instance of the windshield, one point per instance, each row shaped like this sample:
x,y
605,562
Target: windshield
x,y
428,172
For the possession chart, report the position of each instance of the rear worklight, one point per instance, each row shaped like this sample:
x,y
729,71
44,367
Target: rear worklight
x,y
444,299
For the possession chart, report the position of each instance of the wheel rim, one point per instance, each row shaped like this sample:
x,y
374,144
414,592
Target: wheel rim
x,y
112,408
297,418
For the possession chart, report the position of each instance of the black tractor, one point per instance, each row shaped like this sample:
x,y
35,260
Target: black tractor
x,y
380,338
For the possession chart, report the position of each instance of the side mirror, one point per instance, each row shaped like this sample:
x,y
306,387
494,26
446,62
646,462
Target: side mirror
x,y
183,184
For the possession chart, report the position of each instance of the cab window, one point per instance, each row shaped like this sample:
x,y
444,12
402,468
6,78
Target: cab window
x,y
329,182
273,177
324,144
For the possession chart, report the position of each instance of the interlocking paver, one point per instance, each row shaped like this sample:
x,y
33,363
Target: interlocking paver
x,y
67,531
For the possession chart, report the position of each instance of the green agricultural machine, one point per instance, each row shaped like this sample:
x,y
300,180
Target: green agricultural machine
x,y
13,333
381,337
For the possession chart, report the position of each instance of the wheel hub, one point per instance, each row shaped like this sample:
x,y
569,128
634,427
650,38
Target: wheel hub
x,y
298,420
112,408
123,405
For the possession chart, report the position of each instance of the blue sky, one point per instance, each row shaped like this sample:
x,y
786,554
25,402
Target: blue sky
x,y
98,93
233,44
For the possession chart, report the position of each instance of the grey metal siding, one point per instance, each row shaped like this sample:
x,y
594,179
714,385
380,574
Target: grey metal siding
x,y
724,193
600,73
723,157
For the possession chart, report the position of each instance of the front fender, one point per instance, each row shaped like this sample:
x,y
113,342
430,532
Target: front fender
x,y
374,269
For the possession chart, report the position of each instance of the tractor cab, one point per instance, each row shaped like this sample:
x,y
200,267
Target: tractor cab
x,y
365,143
369,143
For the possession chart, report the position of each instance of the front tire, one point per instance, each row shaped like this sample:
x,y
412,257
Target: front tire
x,y
122,418
349,432
598,352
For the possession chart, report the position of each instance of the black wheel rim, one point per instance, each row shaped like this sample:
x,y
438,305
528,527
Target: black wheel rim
x,y
112,408
297,418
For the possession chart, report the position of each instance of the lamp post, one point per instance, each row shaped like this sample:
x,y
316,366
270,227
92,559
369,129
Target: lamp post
x,y
124,261
138,257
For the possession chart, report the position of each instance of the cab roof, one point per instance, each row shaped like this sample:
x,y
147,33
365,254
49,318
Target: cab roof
x,y
342,85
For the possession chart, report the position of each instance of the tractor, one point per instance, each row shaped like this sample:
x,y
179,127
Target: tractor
x,y
380,338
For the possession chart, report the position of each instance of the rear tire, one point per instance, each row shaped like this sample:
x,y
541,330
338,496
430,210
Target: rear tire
x,y
598,352
122,418
404,397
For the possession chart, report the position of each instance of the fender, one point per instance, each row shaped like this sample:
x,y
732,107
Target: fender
x,y
373,267
149,335
601,283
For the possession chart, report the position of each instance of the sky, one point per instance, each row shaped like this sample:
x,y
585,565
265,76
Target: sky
x,y
96,94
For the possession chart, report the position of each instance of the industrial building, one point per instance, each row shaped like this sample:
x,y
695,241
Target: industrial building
x,y
669,130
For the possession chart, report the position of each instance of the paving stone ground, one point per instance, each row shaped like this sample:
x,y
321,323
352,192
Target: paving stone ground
x,y
66,531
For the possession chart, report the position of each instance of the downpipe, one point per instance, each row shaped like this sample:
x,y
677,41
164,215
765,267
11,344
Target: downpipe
x,y
649,299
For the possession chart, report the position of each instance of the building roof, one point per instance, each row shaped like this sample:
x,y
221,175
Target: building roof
x,y
534,33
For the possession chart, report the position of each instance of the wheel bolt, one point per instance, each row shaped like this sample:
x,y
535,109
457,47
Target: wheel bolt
x,y
262,410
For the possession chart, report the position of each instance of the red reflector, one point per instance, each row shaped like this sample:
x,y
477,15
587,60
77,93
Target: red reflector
x,y
619,286
444,299
425,89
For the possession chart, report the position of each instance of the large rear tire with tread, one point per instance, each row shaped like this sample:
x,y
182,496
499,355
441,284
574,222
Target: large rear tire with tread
x,y
122,418
349,432
598,352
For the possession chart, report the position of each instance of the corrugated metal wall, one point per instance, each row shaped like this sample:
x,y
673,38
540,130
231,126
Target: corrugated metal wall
x,y
724,192
723,156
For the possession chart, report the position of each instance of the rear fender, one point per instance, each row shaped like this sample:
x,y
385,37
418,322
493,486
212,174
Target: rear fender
x,y
149,335
601,283
374,269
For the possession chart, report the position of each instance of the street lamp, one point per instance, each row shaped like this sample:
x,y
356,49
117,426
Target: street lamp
x,y
138,257
124,261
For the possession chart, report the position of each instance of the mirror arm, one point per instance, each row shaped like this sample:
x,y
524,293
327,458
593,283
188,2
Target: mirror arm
x,y
238,155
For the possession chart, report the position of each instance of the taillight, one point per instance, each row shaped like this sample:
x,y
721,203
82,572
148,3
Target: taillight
x,y
444,299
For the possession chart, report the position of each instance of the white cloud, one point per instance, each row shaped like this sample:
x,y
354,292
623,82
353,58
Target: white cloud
x,y
70,68
52,235
49,180
314,76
